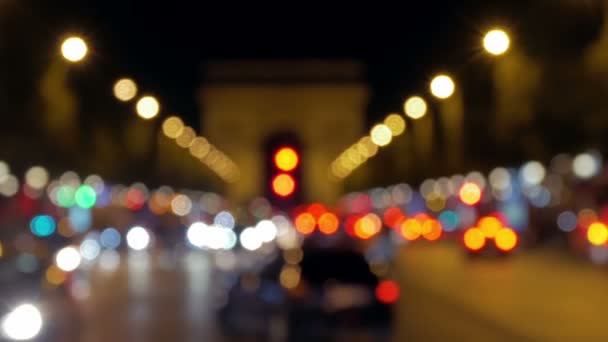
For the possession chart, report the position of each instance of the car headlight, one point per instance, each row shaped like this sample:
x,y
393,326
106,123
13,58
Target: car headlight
x,y
22,323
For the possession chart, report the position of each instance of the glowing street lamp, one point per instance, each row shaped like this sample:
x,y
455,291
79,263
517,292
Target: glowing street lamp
x,y
147,107
381,135
125,89
415,107
442,86
496,42
74,49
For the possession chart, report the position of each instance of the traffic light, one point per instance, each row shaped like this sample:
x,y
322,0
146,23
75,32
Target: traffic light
x,y
283,176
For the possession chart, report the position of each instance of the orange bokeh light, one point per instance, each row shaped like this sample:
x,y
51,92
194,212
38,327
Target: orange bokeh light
x,y
489,225
286,159
368,226
431,230
283,185
305,223
470,193
474,239
328,223
505,239
387,291
411,229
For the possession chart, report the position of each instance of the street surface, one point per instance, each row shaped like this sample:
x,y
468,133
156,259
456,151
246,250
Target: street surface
x,y
539,295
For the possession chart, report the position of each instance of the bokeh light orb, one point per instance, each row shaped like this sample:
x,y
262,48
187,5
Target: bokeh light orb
x,y
411,229
305,223
138,238
74,49
37,177
200,147
68,259
328,223
415,107
65,196
90,249
125,89
224,219
532,173
250,239
185,137
442,86
9,185
496,42
42,225
267,230
490,226
286,159
387,291
585,166
470,193
500,178
395,123
181,205
85,196
172,127
22,323
597,234
505,239
474,239
449,220
197,234
567,221
381,135
283,185
110,238
147,107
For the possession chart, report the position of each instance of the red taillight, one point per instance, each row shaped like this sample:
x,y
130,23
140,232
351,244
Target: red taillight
x,y
387,292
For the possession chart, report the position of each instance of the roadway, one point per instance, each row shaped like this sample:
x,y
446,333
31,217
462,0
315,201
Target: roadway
x,y
148,297
539,295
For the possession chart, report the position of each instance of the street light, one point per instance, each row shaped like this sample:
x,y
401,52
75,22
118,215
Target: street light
x,y
381,135
125,89
442,86
74,49
415,107
147,107
496,42
395,123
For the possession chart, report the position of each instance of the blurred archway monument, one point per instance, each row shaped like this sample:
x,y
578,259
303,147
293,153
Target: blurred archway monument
x,y
321,101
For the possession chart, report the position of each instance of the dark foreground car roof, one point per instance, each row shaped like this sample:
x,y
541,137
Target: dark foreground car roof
x,y
346,266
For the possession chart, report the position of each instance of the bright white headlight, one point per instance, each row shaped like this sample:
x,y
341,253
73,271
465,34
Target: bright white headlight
x,y
23,323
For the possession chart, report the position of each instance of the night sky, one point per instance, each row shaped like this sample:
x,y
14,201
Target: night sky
x,y
164,44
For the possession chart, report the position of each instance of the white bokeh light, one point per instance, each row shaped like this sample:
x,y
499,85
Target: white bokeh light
x,y
68,259
532,173
37,177
585,166
90,249
196,234
500,178
138,238
251,239
23,323
267,230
